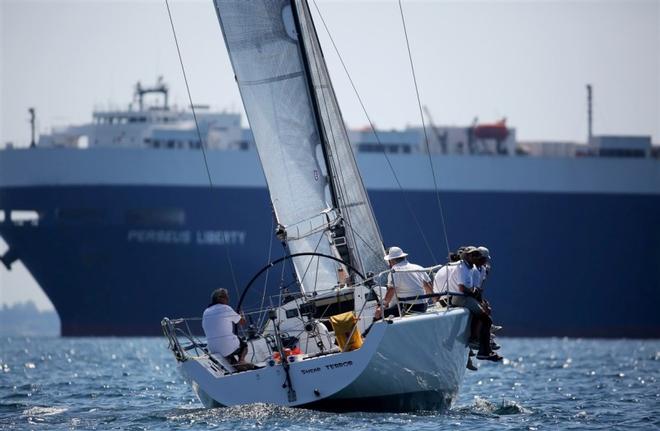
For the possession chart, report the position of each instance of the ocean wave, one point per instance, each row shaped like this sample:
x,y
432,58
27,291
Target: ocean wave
x,y
483,406
38,411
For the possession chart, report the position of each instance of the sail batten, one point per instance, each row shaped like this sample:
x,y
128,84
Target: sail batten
x,y
274,79
315,188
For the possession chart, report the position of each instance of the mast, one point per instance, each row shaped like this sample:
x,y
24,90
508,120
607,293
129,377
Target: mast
x,y
316,190
338,231
315,104
355,235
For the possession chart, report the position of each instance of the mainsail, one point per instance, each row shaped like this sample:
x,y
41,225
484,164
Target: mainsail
x,y
312,176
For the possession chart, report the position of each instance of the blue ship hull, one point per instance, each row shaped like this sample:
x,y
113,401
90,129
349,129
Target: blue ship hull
x,y
563,264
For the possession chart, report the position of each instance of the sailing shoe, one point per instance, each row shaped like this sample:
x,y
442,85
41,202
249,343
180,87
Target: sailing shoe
x,y
494,346
470,366
492,356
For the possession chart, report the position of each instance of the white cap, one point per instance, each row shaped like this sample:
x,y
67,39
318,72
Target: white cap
x,y
484,252
395,253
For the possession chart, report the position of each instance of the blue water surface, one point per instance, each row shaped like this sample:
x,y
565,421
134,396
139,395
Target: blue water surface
x,y
132,383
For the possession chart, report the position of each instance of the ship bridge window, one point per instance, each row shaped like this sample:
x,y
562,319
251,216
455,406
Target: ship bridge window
x,y
621,152
156,217
25,217
387,148
80,215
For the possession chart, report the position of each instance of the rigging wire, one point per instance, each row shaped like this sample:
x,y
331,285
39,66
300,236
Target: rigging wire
x,y
426,136
192,105
231,271
373,129
332,140
199,133
270,252
309,264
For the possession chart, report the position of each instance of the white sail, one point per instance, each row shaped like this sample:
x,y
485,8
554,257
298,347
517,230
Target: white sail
x,y
293,113
362,231
318,196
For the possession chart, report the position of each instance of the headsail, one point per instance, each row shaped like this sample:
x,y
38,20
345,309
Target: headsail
x,y
304,150
362,231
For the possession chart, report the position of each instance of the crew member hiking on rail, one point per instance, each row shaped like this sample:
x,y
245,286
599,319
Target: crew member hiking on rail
x,y
403,285
481,271
461,281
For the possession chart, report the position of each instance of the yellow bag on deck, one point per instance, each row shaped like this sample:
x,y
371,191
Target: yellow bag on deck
x,y
343,325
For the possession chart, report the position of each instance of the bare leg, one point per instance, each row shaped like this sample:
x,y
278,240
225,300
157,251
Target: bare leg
x,y
242,355
379,313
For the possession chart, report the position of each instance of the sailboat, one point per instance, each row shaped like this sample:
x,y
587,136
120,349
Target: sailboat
x,y
323,214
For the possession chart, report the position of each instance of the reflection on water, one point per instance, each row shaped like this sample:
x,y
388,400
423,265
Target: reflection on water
x,y
53,383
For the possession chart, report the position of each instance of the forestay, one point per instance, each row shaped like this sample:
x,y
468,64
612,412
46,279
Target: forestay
x,y
300,135
362,231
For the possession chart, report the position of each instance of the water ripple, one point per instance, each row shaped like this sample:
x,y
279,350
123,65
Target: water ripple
x,y
103,383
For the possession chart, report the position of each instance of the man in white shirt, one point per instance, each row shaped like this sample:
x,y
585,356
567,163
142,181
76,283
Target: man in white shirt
x,y
482,266
218,322
482,269
407,280
462,282
441,279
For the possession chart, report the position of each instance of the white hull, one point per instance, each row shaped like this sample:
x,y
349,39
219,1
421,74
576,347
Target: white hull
x,y
411,363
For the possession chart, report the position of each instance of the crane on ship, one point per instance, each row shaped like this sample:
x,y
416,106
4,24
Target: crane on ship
x,y
440,137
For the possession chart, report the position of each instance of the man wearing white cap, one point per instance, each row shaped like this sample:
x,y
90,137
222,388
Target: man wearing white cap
x,y
406,280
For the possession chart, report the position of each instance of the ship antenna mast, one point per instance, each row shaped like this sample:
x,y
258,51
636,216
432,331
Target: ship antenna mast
x,y
589,113
160,87
33,143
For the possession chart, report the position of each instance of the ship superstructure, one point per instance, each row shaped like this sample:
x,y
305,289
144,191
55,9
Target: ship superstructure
x,y
113,214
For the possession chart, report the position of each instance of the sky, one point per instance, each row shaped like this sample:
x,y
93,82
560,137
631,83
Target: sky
x,y
526,60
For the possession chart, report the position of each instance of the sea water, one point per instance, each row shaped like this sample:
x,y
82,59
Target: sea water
x,y
132,383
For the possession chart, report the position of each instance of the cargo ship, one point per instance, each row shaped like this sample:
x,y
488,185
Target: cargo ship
x,y
113,217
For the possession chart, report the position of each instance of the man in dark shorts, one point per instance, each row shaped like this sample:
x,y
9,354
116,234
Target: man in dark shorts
x,y
462,282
